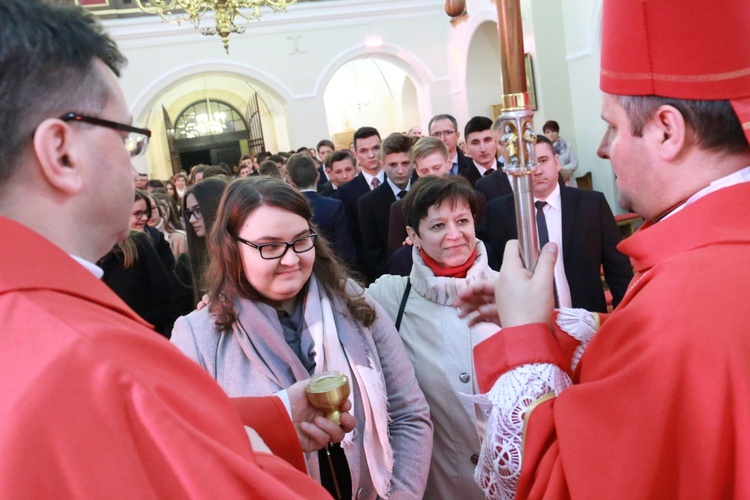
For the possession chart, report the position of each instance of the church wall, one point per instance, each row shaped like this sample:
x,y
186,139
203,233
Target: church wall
x,y
292,56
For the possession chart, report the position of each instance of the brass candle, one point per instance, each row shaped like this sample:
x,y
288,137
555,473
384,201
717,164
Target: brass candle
x,y
327,391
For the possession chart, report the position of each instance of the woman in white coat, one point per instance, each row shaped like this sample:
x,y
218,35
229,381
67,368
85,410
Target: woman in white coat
x,y
447,257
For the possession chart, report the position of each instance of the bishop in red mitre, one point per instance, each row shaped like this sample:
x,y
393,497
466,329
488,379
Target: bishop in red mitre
x,y
653,400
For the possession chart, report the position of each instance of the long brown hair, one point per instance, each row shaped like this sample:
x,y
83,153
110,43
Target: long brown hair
x,y
207,193
127,249
225,277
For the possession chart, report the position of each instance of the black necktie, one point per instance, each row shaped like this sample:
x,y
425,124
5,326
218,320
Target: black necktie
x,y
541,226
401,194
488,171
541,223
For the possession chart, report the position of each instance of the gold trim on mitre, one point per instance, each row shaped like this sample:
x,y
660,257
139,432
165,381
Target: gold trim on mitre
x,y
714,77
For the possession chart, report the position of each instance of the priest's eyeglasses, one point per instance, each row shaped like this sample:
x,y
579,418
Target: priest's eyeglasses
x,y
136,140
277,250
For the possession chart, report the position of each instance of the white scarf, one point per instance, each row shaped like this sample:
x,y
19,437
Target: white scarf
x,y
331,355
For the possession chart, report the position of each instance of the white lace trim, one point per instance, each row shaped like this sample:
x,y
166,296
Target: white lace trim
x,y
499,466
581,325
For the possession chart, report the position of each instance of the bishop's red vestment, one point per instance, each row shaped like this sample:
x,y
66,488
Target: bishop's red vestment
x,y
660,401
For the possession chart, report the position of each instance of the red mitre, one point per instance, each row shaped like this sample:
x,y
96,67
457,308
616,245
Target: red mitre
x,y
678,48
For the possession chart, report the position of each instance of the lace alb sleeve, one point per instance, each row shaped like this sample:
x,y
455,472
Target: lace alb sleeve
x,y
499,466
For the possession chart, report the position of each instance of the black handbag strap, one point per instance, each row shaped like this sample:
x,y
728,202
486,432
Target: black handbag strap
x,y
402,306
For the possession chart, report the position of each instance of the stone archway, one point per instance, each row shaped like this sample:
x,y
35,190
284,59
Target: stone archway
x,y
369,91
238,91
230,82
483,72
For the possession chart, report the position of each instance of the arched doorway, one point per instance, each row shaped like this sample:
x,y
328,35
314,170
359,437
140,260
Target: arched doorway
x,y
369,91
213,132
261,110
484,84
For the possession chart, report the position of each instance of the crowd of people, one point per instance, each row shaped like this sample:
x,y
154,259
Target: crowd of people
x,y
350,260
392,262
357,198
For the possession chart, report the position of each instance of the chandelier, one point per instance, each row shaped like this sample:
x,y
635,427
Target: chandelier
x,y
225,12
203,124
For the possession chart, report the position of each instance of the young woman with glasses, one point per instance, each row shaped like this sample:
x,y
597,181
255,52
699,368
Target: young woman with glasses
x,y
280,310
141,211
199,211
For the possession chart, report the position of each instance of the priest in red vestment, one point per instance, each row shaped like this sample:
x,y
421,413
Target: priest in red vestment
x,y
94,403
652,401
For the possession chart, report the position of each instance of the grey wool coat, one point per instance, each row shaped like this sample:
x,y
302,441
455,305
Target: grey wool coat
x,y
232,359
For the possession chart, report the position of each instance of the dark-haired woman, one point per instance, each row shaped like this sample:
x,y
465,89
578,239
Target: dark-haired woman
x,y
447,257
281,310
134,271
143,207
199,211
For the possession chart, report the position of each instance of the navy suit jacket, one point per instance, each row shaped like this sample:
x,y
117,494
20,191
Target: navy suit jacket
x,y
349,194
494,185
323,178
374,214
326,190
463,161
330,219
471,173
590,239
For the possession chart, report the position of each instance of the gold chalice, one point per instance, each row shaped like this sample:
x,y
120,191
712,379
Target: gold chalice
x,y
327,391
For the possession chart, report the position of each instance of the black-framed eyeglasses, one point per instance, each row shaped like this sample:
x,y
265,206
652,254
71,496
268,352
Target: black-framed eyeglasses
x,y
136,141
194,212
277,250
140,214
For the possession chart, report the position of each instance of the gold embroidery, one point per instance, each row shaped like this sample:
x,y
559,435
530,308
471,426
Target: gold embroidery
x,y
527,413
746,126
731,75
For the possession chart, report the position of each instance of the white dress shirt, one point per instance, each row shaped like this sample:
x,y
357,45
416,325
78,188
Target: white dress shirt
x,y
454,164
482,170
369,178
97,271
553,216
397,189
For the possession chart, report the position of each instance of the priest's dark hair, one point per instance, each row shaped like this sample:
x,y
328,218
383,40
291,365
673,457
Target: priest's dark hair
x,y
714,124
47,54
